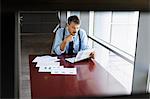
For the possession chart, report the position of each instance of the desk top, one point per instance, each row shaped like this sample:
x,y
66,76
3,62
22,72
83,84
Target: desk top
x,y
91,80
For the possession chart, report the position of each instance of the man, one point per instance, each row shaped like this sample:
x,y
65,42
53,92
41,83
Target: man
x,y
71,39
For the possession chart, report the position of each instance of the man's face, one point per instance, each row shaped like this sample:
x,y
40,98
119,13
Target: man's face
x,y
73,28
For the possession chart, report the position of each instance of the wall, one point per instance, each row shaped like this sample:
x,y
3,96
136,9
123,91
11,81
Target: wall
x,y
38,21
142,59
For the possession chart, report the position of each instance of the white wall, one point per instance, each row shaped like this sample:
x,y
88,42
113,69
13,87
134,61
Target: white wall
x,y
142,58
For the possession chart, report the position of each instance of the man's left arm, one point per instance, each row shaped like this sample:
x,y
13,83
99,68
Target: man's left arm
x,y
84,40
84,44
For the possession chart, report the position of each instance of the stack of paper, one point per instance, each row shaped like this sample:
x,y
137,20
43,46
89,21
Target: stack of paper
x,y
52,64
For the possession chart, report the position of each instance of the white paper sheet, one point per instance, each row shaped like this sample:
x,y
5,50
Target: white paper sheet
x,y
51,63
84,54
48,69
45,59
36,59
65,71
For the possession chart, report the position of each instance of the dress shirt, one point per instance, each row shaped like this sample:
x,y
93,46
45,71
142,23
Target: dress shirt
x,y
58,41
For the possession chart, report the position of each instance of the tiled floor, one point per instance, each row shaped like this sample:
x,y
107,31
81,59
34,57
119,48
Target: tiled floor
x,y
31,44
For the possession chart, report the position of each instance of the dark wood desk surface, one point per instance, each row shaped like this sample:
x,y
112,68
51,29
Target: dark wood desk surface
x,y
91,80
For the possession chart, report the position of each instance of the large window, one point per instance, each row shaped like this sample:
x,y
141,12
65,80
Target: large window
x,y
117,28
117,32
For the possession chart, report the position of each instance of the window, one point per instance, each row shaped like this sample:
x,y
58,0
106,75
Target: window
x,y
117,32
117,28
124,31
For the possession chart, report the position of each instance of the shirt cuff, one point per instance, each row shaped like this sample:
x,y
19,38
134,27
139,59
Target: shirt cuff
x,y
58,51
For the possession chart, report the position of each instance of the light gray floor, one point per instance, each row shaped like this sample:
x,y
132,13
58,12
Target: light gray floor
x,y
31,44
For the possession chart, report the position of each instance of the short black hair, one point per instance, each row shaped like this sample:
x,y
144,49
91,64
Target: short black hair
x,y
74,19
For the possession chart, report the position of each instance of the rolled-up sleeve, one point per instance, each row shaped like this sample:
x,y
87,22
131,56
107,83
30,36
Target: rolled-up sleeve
x,y
58,41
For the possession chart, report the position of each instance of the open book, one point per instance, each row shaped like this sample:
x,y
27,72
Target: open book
x,y
81,55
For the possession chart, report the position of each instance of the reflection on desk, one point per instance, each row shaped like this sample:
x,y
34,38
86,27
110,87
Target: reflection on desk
x,y
91,80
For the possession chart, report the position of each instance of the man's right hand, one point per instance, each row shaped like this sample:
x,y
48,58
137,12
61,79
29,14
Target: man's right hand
x,y
69,38
66,40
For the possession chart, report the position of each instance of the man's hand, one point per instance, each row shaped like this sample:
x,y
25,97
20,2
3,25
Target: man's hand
x,y
69,38
92,55
65,41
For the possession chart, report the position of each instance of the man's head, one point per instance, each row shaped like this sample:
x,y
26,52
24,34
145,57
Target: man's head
x,y
73,24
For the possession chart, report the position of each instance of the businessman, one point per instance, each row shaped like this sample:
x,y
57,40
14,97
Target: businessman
x,y
71,39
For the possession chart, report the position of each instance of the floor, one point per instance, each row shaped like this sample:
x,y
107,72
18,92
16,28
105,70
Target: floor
x,y
31,43
116,66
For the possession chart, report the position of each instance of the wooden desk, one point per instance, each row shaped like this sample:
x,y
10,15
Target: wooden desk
x,y
91,80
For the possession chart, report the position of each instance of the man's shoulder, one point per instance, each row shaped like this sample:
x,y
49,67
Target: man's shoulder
x,y
83,32
60,29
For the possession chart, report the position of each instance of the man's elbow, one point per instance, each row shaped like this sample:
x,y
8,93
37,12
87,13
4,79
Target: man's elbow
x,y
57,52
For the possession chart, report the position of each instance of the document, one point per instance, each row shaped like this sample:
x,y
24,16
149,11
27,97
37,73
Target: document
x,y
65,71
46,58
48,64
52,65
81,55
36,59
48,68
58,70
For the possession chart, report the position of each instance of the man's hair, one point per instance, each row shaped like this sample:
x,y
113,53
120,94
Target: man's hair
x,y
74,19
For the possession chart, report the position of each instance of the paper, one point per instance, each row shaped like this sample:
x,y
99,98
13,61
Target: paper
x,y
84,54
44,69
48,69
45,59
72,60
36,59
70,71
52,63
